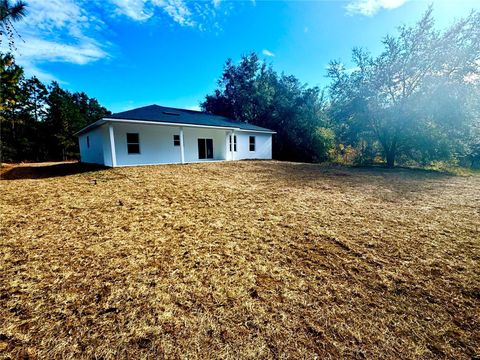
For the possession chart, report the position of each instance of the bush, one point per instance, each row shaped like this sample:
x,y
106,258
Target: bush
x,y
323,144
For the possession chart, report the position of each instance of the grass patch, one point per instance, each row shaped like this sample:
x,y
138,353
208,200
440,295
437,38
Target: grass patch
x,y
240,260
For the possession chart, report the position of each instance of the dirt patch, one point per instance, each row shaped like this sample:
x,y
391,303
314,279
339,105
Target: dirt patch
x,y
239,260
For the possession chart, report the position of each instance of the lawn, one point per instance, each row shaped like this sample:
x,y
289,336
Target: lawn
x,y
238,260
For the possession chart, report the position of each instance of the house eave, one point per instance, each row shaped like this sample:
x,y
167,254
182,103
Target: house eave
x,y
161,123
90,127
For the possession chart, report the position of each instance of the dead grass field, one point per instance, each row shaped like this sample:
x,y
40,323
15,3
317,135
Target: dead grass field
x,y
238,260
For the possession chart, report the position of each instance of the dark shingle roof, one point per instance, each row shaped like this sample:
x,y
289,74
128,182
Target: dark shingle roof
x,y
156,113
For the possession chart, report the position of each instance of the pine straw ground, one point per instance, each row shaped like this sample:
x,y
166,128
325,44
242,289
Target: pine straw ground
x,y
238,260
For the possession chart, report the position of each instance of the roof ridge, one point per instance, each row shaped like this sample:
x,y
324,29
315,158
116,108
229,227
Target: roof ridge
x,y
188,110
158,113
179,109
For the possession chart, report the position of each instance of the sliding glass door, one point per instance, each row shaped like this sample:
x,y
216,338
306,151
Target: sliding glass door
x,y
205,148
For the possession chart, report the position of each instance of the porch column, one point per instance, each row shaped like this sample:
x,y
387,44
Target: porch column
x,y
182,148
233,144
112,145
227,145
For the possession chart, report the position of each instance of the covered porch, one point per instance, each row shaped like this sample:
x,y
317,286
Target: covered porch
x,y
161,144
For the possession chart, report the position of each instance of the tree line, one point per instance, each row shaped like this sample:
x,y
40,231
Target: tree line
x,y
38,122
415,103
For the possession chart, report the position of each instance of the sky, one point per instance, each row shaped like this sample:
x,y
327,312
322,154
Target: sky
x,y
131,53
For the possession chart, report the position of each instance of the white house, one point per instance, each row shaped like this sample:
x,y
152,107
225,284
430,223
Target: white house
x,y
160,135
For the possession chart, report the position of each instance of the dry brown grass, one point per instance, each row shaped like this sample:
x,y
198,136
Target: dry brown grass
x,y
239,260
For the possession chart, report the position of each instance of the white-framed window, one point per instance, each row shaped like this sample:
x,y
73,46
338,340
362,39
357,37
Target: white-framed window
x,y
133,143
251,143
176,140
233,142
88,142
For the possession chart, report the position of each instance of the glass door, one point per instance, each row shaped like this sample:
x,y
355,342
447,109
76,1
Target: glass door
x,y
202,154
209,147
205,148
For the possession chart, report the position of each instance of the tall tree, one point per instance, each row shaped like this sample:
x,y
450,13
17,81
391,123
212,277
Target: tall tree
x,y
251,91
33,110
393,99
10,94
38,122
67,113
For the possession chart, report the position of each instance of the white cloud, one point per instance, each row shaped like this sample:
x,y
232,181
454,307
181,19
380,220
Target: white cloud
x,y
371,7
134,9
44,50
179,12
194,108
74,31
58,31
202,15
142,10
33,70
49,15
267,52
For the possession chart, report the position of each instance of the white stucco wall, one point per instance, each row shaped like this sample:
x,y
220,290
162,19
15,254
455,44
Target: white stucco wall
x,y
157,146
263,146
107,156
94,153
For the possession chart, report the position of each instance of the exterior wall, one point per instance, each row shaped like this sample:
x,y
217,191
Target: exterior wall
x,y
263,146
94,153
156,144
107,154
191,136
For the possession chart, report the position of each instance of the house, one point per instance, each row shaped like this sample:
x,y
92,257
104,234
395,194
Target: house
x,y
161,135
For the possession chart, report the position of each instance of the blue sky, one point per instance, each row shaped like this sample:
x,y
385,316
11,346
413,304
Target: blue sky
x,y
132,53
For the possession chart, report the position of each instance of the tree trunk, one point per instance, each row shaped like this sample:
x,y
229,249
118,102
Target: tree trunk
x,y
390,159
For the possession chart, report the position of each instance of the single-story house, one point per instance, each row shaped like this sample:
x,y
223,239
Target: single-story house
x,y
161,135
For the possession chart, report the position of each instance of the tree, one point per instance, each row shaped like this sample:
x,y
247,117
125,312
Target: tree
x,y
394,99
67,113
33,111
35,102
38,122
10,77
10,13
253,92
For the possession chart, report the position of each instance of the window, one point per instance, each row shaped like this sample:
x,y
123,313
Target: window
x,y
176,140
88,142
133,143
251,142
233,142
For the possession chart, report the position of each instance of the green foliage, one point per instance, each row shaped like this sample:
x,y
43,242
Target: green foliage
x,y
38,122
10,75
10,13
418,99
417,103
324,144
253,92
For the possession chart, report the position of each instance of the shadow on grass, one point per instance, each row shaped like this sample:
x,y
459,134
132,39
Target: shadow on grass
x,y
398,180
39,171
290,169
